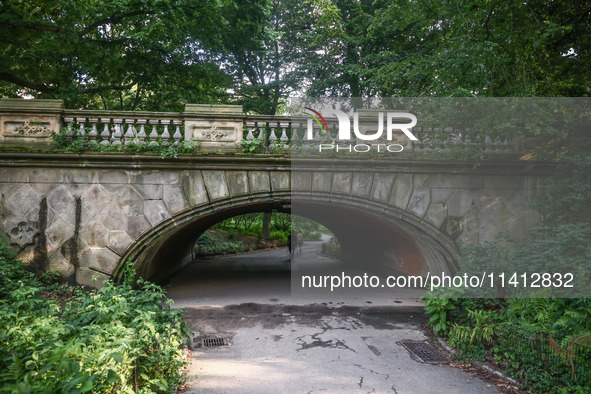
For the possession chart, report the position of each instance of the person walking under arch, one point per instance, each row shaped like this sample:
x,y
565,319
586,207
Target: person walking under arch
x,y
299,243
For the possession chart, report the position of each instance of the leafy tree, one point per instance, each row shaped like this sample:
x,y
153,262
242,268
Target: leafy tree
x,y
250,54
125,54
275,49
491,48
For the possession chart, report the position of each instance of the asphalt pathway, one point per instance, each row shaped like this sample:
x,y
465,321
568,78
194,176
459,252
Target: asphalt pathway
x,y
279,343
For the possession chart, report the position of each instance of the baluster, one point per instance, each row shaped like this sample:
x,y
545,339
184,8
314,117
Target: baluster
x,y
295,132
250,128
488,143
317,137
508,146
165,134
283,129
131,131
69,122
498,146
261,136
81,130
106,133
154,133
142,133
283,138
177,132
308,134
292,140
273,126
93,134
117,134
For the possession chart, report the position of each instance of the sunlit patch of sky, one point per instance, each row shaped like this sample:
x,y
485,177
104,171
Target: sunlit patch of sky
x,y
570,53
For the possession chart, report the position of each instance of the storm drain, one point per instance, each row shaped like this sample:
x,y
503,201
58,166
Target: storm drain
x,y
424,352
214,342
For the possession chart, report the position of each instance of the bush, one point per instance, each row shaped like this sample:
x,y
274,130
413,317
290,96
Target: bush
x,y
280,236
116,339
314,236
215,243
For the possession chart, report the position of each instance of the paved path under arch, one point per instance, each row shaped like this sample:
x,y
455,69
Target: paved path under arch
x,y
285,345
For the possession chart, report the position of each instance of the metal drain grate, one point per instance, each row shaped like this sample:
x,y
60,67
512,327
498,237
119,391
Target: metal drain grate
x,y
424,352
214,342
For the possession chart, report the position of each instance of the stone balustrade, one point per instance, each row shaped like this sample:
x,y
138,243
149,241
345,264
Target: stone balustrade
x,y
289,131
213,128
125,127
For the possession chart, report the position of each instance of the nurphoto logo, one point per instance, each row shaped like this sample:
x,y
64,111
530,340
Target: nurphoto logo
x,y
395,121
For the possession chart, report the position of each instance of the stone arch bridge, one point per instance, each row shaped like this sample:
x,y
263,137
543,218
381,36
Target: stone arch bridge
x,y
85,215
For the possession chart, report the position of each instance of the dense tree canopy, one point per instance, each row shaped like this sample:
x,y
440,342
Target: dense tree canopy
x,y
159,54
126,54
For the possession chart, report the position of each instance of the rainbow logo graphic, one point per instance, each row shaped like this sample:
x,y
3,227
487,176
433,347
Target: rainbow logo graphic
x,y
316,118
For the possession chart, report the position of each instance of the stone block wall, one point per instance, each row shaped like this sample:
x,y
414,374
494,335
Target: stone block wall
x,y
82,216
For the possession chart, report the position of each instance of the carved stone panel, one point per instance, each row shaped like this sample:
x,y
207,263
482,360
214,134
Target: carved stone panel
x,y
29,123
214,128
215,135
23,234
27,128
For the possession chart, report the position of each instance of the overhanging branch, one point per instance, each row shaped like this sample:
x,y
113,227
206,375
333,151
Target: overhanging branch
x,y
26,84
42,88
113,19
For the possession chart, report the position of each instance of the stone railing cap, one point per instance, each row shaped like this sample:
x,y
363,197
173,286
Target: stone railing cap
x,y
36,105
211,109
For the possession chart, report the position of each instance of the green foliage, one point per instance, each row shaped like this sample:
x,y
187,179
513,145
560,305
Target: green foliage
x,y
309,228
437,309
278,147
125,54
279,235
313,236
472,338
281,222
251,146
332,248
116,339
510,329
473,48
504,328
251,224
210,243
158,55
569,188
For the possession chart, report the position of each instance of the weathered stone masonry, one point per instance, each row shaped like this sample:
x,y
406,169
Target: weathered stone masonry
x,y
83,215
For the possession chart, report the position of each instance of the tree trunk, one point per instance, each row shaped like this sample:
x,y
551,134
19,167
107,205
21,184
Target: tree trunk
x,y
267,225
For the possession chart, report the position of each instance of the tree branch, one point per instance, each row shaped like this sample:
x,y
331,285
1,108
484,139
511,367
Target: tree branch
x,y
26,84
113,19
492,9
39,87
17,22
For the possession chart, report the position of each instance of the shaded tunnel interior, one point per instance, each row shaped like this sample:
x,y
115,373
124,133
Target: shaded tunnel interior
x,y
365,237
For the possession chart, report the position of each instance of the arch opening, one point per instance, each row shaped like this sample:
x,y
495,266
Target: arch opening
x,y
259,231
391,240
